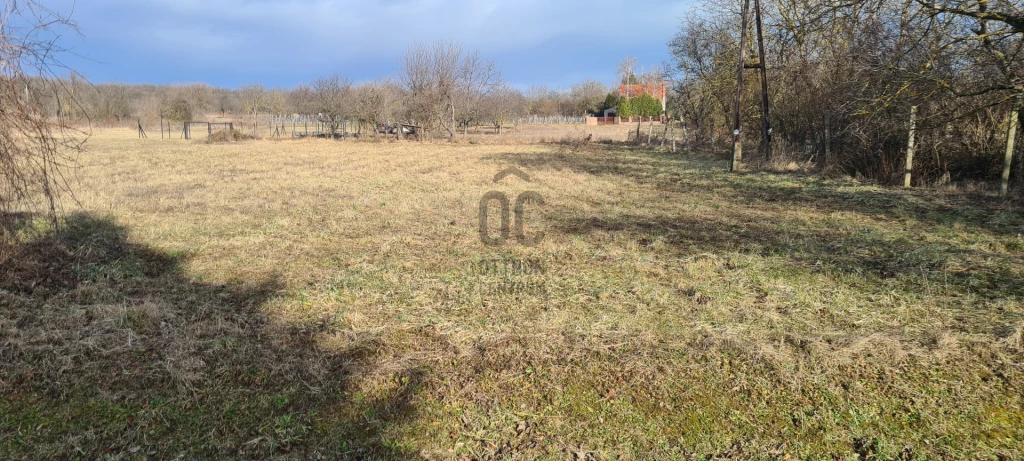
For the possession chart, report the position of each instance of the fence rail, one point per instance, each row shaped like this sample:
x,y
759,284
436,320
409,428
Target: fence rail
x,y
553,120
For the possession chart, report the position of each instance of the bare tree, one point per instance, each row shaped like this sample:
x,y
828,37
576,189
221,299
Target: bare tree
x,y
254,98
184,102
847,74
330,100
547,101
378,102
113,101
627,71
445,83
36,150
588,96
502,106
301,100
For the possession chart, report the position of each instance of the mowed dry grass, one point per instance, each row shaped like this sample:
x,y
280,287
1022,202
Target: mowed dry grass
x,y
312,298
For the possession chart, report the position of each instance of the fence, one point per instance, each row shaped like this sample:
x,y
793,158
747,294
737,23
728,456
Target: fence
x,y
640,119
625,121
273,126
553,120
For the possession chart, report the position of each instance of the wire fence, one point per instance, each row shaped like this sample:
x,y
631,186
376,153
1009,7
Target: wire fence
x,y
300,126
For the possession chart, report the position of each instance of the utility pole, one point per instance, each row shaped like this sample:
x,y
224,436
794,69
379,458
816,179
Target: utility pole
x,y
737,141
766,127
766,131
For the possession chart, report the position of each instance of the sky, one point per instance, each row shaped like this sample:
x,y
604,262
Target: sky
x,y
282,43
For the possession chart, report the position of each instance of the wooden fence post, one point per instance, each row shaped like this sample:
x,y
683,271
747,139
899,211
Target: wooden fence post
x,y
664,136
686,135
828,136
908,174
1011,135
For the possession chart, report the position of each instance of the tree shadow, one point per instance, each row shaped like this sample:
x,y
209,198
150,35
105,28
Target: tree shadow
x,y
678,173
659,169
754,214
970,209
872,255
109,350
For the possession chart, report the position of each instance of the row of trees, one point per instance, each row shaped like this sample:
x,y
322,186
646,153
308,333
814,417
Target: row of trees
x,y
440,85
844,75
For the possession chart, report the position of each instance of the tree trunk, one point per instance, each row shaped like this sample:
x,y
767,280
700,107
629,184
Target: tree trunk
x,y
686,136
1011,137
714,143
908,174
451,129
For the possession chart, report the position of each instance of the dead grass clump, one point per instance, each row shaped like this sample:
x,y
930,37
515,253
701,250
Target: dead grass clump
x,y
786,161
223,136
576,141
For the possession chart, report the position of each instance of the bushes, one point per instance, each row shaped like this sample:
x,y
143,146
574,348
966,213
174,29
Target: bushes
x,y
177,110
644,105
610,102
625,109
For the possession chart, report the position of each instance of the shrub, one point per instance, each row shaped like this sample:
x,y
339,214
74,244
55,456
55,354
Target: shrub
x,y
626,108
610,101
646,105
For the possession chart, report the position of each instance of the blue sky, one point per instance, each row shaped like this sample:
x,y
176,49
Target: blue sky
x,y
286,42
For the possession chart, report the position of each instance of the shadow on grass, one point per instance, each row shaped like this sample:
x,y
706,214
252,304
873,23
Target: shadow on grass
x,y
679,173
870,254
109,350
742,223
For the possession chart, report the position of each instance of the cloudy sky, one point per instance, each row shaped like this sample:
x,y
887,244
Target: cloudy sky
x,y
286,42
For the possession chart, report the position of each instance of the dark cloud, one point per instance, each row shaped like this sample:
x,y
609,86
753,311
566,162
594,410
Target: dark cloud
x,y
283,42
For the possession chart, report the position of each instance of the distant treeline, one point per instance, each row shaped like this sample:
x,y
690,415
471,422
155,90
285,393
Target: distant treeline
x,y
386,100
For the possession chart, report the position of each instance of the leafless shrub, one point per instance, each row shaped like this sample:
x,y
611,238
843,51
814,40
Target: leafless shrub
x,y
844,75
36,150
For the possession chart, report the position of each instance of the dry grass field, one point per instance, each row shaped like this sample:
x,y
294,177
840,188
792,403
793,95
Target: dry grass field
x,y
314,299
